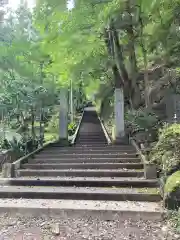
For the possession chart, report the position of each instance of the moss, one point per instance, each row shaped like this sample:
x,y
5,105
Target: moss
x,y
149,190
172,183
166,152
50,137
140,190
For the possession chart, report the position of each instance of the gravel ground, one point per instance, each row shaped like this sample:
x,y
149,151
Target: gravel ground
x,y
24,228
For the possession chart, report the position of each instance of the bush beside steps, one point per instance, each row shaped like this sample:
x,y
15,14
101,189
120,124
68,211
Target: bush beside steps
x,y
172,191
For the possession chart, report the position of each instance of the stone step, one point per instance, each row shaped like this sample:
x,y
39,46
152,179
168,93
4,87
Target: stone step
x,y
84,147
80,173
57,160
92,135
95,131
84,166
103,194
91,142
88,150
100,136
87,139
81,182
95,145
82,209
87,155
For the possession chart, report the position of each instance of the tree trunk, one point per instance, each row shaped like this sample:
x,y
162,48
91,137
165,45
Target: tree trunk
x,y
135,91
146,77
118,54
119,84
108,37
144,52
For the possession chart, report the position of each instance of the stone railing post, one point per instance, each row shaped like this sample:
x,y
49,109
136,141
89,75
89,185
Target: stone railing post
x,y
119,116
63,117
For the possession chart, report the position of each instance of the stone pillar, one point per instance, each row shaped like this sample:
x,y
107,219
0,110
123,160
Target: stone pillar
x,y
119,115
71,101
63,117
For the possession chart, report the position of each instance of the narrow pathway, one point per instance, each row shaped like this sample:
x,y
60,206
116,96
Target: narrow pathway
x,y
90,191
47,228
91,170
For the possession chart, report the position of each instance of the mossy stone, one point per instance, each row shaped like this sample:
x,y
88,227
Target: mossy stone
x,y
172,191
172,183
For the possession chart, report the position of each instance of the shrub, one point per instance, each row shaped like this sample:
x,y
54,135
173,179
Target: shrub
x,y
166,152
15,146
172,183
50,137
174,219
71,128
140,119
14,125
142,126
53,127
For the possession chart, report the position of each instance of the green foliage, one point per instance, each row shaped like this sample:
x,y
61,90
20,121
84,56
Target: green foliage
x,y
147,32
52,130
174,218
17,147
40,54
27,90
9,135
166,152
172,183
50,137
72,128
140,120
53,125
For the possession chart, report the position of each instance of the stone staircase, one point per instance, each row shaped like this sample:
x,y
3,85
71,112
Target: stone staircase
x,y
90,170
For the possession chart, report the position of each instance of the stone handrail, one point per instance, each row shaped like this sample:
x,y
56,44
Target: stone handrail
x,y
8,169
139,151
23,159
77,130
150,170
105,132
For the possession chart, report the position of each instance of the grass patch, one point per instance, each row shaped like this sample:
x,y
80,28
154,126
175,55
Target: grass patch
x,y
50,137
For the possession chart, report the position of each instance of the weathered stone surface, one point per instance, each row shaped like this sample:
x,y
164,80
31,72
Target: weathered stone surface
x,y
56,229
150,171
121,141
63,115
119,113
173,108
7,170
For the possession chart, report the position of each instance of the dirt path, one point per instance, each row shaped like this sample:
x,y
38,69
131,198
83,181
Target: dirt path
x,y
24,228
